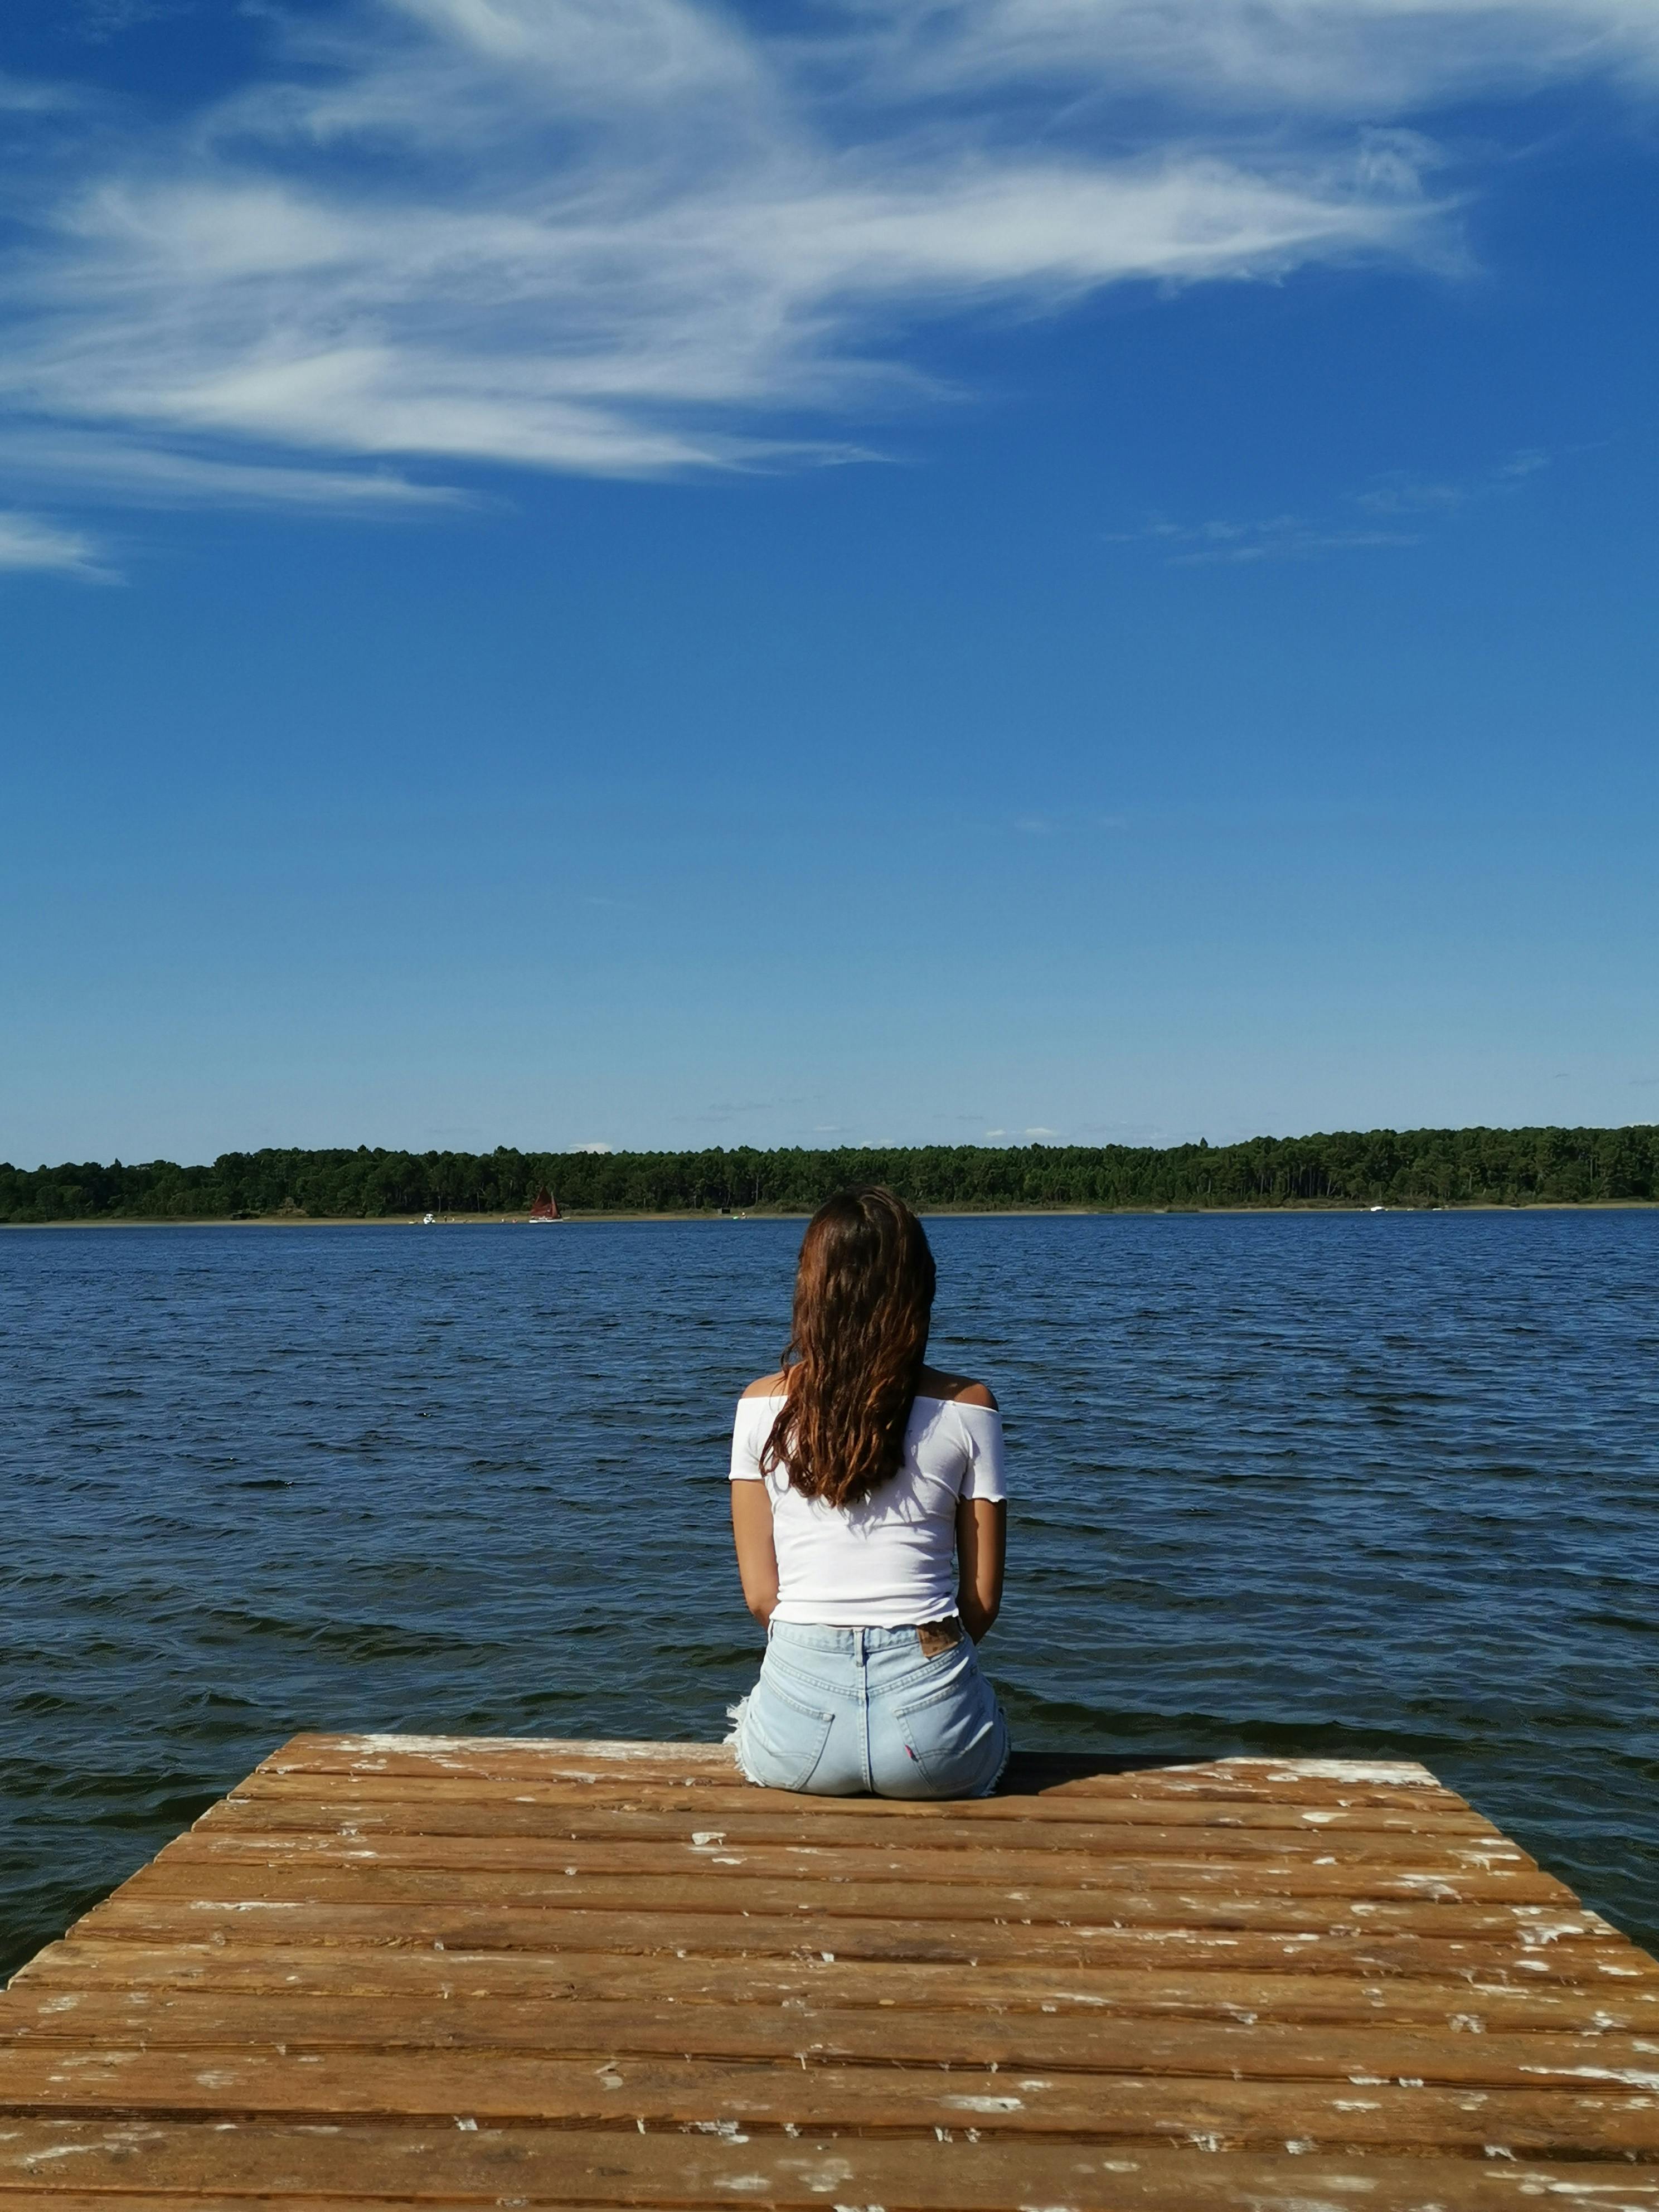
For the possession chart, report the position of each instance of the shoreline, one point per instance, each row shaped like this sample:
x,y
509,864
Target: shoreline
x,y
586,1220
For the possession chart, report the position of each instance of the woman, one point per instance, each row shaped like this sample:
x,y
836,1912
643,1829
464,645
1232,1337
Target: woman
x,y
868,1509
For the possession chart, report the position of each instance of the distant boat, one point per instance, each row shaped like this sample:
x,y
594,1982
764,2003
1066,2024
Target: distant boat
x,y
546,1207
426,1220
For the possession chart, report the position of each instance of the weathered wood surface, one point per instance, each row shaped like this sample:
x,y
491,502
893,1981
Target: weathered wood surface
x,y
422,1972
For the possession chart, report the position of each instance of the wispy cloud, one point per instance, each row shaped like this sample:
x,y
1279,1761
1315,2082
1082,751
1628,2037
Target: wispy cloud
x,y
1362,57
625,238
1279,537
25,96
1054,825
155,476
1134,1132
1405,494
98,20
1296,538
731,1110
28,543
638,237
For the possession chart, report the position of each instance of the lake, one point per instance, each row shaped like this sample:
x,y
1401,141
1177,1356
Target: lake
x,y
1318,1484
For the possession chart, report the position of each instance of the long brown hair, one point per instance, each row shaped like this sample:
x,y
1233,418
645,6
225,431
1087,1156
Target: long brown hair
x,y
864,1295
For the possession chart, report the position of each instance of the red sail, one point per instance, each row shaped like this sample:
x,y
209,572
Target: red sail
x,y
546,1207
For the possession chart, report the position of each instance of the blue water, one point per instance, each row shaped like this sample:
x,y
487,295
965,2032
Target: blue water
x,y
1376,1485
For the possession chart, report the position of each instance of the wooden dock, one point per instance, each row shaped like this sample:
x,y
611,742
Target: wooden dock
x,y
405,1971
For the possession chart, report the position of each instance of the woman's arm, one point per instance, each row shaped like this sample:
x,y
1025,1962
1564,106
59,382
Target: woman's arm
x,y
757,1558
981,1546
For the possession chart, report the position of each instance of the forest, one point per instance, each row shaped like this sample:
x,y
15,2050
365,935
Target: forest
x,y
1374,1167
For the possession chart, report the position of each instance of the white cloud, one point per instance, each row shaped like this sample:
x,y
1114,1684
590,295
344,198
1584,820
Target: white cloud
x,y
1356,58
619,237
635,237
1279,537
21,96
564,332
27,543
154,476
1404,495
106,19
1294,537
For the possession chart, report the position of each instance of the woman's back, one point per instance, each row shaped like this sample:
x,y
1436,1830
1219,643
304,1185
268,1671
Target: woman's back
x,y
890,1559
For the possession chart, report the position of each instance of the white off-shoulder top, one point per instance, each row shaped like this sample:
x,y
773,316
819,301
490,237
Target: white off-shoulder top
x,y
890,1562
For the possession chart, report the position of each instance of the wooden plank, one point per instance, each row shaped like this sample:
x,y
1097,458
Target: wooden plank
x,y
464,1927
1425,2194
819,2034
1302,1781
957,1884
1135,1797
1216,1835
325,1753
1205,1899
316,1752
716,1856
1420,2182
443,2165
605,1797
407,1977
626,2092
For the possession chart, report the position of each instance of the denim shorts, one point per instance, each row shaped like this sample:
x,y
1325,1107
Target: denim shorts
x,y
841,1712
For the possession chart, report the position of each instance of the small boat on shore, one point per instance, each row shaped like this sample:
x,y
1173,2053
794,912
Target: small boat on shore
x,y
546,1207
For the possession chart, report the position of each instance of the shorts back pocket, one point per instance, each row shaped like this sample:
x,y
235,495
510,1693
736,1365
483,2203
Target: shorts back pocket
x,y
956,1736
780,1739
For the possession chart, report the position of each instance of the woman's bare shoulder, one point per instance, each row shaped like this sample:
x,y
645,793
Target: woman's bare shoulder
x,y
768,1386
960,1389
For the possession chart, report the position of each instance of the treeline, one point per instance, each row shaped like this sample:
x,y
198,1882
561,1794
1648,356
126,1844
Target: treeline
x,y
1378,1167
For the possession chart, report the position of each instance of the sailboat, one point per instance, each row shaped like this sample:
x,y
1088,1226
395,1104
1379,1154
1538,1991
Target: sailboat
x,y
546,1207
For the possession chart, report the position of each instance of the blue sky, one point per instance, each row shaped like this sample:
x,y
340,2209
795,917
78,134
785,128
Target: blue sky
x,y
635,572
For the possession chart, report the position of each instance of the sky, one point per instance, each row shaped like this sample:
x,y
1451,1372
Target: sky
x,y
653,574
